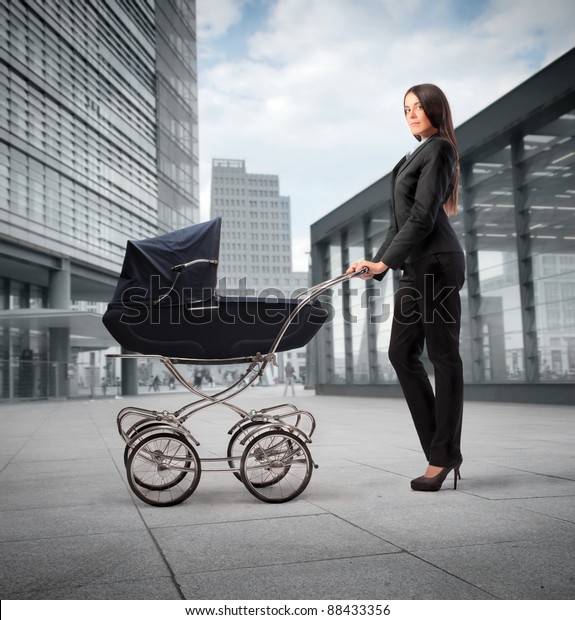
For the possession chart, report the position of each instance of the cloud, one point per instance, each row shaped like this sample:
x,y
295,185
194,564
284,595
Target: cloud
x,y
215,17
316,94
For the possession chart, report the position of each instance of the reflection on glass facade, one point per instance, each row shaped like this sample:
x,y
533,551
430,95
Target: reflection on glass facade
x,y
516,223
548,160
98,144
498,346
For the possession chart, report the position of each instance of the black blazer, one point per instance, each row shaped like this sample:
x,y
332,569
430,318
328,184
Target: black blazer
x,y
420,184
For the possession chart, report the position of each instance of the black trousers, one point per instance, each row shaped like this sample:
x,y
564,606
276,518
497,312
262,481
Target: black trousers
x,y
428,310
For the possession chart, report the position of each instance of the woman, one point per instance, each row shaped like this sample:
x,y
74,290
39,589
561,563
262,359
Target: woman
x,y
422,243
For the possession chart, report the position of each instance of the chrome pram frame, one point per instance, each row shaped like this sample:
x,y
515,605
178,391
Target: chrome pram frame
x,y
268,448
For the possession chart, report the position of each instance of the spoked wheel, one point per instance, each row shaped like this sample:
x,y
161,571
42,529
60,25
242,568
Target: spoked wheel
x,y
235,448
276,466
163,469
143,429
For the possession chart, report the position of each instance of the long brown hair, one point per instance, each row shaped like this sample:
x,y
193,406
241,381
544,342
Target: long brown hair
x,y
436,108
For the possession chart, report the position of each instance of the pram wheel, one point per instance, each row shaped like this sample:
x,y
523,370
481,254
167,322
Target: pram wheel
x,y
235,448
147,428
163,469
276,466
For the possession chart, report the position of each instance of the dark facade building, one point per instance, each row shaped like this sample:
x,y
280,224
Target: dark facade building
x,y
98,144
517,225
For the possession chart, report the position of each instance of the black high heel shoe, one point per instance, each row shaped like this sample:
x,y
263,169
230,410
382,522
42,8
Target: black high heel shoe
x,y
424,483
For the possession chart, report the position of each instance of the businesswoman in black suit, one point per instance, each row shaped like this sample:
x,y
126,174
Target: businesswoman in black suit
x,y
422,243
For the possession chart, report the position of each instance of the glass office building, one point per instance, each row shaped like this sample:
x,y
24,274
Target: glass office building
x,y
98,144
516,223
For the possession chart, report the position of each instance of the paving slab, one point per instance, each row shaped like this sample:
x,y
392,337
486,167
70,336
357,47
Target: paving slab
x,y
265,542
153,588
388,577
66,562
539,568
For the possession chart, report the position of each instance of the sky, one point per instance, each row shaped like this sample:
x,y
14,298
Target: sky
x,y
312,90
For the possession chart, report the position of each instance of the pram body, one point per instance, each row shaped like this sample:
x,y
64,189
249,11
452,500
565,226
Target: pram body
x,y
166,306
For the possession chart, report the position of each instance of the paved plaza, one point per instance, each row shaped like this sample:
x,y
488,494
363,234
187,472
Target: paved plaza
x,y
70,527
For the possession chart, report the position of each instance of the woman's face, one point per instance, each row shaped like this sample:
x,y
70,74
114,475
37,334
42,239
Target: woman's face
x,y
416,118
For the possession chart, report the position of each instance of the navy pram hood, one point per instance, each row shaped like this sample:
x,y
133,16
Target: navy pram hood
x,y
147,269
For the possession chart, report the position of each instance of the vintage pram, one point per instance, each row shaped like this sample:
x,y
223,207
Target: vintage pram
x,y
166,307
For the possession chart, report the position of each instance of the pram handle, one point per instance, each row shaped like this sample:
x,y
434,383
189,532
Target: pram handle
x,y
312,291
179,268
307,296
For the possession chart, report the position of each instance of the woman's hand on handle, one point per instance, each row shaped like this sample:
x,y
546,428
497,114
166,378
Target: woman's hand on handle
x,y
372,269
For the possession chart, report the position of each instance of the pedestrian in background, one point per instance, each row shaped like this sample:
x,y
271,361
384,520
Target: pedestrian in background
x,y
289,378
